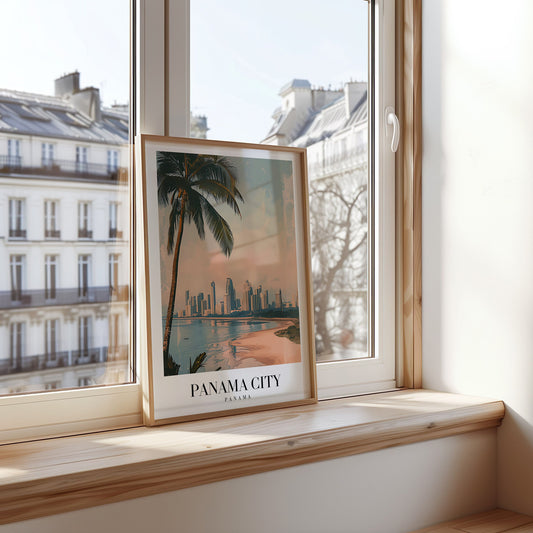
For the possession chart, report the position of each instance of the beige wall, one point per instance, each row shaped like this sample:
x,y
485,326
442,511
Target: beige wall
x,y
478,217
389,491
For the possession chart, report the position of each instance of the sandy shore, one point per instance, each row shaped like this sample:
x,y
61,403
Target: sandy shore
x,y
262,348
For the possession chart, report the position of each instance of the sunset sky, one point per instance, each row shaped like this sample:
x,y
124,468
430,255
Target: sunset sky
x,y
264,252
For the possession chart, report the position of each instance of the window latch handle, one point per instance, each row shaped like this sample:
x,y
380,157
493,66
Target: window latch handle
x,y
392,120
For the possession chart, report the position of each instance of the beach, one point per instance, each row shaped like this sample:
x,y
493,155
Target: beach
x,y
262,348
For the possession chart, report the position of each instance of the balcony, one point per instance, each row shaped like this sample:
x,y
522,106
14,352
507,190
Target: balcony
x,y
45,298
84,233
62,168
64,359
15,233
114,233
52,234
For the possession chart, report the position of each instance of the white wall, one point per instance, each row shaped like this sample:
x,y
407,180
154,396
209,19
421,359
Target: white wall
x,y
478,217
388,491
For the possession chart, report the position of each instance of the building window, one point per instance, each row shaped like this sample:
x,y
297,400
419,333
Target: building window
x,y
112,160
81,159
47,155
13,153
50,277
85,381
84,221
84,336
114,233
114,332
113,273
17,341
84,272
17,268
17,218
51,225
51,337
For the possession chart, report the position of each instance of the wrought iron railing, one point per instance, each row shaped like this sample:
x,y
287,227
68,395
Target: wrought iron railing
x,y
62,359
84,233
47,298
15,233
64,168
114,233
52,234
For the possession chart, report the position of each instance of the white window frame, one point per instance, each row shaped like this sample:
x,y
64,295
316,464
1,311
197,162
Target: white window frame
x,y
378,373
17,216
161,64
85,219
51,265
17,265
51,222
338,378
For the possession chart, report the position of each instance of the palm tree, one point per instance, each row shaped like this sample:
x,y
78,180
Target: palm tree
x,y
189,183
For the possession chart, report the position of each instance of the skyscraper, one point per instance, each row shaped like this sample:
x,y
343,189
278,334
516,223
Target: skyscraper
x,y
230,291
213,298
279,301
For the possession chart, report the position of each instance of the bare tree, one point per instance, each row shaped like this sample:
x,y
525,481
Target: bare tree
x,y
338,213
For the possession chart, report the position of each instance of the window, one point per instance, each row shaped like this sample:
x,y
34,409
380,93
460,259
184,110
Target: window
x,y
162,111
17,218
47,155
113,272
58,287
84,338
84,274
50,277
81,159
112,160
51,334
114,233
17,267
337,115
17,342
84,221
13,153
51,226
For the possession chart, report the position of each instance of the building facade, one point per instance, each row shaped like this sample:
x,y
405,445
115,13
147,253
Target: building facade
x,y
64,239
333,126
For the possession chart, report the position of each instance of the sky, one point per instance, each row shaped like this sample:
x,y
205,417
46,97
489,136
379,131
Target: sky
x,y
242,52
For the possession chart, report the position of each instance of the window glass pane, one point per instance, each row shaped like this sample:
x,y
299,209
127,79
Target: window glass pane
x,y
64,170
295,73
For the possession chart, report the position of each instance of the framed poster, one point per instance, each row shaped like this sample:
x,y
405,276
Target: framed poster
x,y
228,291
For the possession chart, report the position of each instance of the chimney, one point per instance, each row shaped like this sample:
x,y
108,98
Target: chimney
x,y
353,92
88,102
67,84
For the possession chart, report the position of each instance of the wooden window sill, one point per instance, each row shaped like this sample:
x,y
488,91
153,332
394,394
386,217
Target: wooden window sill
x,y
52,476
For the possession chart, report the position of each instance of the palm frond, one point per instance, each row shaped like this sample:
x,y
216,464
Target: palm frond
x,y
219,192
218,226
195,212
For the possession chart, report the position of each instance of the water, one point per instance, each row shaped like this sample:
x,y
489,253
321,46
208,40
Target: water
x,y
191,337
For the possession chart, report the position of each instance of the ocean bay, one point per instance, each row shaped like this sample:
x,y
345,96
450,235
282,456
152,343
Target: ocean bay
x,y
215,336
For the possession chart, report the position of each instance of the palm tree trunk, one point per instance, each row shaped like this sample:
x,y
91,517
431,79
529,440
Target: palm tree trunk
x,y
172,297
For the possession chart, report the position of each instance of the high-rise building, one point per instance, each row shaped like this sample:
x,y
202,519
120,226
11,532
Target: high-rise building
x,y
247,296
230,292
279,301
213,298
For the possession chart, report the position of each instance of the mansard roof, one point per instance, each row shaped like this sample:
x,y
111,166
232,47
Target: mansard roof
x,y
52,116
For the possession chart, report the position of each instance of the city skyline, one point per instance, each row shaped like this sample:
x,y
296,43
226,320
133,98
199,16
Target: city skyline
x,y
238,299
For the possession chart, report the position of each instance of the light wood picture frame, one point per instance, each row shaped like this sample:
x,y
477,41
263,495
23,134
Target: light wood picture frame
x,y
229,313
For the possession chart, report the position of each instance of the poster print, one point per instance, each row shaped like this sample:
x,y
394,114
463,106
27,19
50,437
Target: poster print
x,y
228,274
